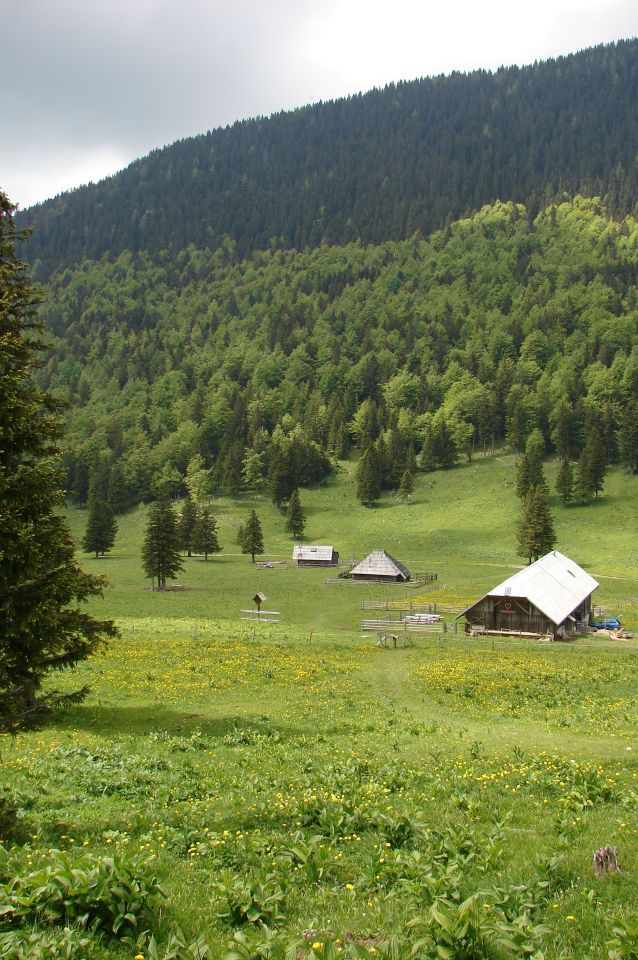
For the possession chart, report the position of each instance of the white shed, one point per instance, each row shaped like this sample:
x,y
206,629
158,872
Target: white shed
x,y
314,556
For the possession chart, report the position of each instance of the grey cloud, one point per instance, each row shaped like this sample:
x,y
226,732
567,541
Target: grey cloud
x,y
86,78
135,75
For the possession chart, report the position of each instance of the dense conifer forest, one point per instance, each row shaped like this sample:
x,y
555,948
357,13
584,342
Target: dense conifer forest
x,y
258,373
373,167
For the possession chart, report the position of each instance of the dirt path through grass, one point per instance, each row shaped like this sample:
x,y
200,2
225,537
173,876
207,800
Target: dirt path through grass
x,y
391,673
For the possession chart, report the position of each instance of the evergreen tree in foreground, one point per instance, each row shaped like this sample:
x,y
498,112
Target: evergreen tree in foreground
x,y
295,518
536,535
250,537
205,534
160,552
101,528
42,629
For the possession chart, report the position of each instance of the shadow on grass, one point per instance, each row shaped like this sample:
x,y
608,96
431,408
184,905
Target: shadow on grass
x,y
143,719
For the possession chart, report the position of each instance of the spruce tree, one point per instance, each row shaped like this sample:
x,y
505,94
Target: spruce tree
x,y
187,523
565,482
591,468
118,495
443,446
530,468
101,528
536,535
427,456
205,534
250,537
160,552
295,517
368,476
99,480
42,627
231,468
253,470
406,488
628,437
280,475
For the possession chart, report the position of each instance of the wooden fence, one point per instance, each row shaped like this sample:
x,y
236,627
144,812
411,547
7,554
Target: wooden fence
x,y
399,627
409,607
418,581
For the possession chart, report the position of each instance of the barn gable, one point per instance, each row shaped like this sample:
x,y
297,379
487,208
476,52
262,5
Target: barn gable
x,y
555,585
552,593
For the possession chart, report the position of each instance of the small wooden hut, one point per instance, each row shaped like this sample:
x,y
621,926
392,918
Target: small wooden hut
x,y
549,597
315,556
380,566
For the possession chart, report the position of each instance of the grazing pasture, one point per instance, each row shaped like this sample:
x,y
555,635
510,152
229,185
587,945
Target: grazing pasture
x,y
262,790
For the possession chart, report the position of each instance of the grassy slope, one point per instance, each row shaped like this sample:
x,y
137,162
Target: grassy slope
x,y
214,749
461,525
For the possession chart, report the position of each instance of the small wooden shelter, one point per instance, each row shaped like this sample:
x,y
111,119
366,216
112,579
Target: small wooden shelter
x,y
549,597
380,566
315,556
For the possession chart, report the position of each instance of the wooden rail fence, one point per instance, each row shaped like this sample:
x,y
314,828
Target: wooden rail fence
x,y
410,606
399,627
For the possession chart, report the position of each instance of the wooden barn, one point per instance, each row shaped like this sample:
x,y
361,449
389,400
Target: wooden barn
x,y
549,597
380,566
315,556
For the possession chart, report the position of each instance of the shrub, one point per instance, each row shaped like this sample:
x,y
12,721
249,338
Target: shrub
x,y
65,944
252,900
97,893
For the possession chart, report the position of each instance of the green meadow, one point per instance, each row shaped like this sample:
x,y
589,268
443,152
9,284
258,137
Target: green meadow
x,y
231,789
461,525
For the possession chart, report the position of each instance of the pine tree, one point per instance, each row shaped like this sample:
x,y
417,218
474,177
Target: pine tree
x,y
101,528
197,478
118,495
368,476
564,429
250,537
444,448
99,480
231,468
253,470
530,468
427,457
295,518
591,467
628,437
396,450
42,627
205,534
536,535
565,482
406,488
187,522
160,552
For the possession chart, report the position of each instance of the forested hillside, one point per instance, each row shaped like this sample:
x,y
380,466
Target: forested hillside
x,y
258,372
373,167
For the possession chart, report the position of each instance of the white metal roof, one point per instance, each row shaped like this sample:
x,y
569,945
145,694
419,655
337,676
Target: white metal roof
x,y
554,584
380,564
305,552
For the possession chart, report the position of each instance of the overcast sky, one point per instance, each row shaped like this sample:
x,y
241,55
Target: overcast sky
x,y
90,85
